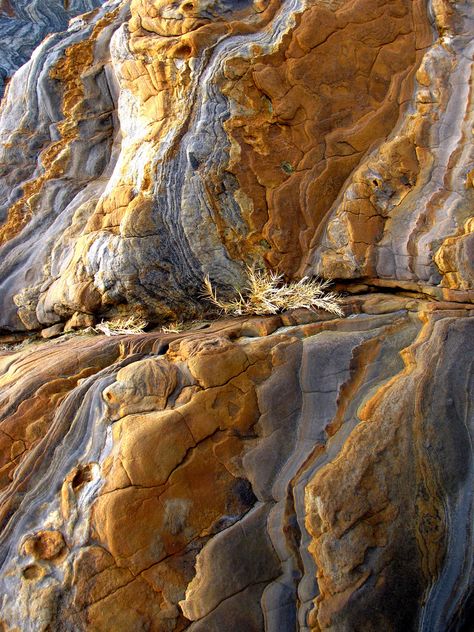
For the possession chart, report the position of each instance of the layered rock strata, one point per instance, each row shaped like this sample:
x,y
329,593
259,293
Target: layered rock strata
x,y
273,473
163,142
298,471
24,24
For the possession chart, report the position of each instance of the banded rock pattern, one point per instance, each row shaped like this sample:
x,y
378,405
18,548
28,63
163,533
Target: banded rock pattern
x,y
23,24
297,471
161,142
273,473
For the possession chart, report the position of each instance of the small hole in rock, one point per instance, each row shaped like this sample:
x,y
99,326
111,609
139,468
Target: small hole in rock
x,y
183,51
83,475
32,572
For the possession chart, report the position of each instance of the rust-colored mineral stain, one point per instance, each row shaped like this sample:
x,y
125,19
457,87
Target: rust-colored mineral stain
x,y
308,112
6,8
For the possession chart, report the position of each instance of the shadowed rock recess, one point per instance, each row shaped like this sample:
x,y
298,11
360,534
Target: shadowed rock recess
x,y
271,473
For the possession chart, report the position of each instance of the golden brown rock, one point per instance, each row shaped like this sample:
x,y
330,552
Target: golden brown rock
x,y
44,545
175,493
299,471
324,137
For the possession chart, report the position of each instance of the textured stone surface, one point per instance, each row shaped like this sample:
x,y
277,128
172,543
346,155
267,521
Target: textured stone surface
x,y
163,142
290,472
23,24
324,482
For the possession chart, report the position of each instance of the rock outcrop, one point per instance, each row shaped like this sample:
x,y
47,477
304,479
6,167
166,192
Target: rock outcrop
x,y
23,24
273,473
167,142
299,471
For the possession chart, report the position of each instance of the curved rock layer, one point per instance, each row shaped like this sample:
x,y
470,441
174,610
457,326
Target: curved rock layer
x,y
274,473
278,473
155,143
24,23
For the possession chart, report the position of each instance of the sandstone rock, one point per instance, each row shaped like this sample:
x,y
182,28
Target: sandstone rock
x,y
79,321
324,484
336,148
23,24
53,331
290,472
44,545
140,387
11,339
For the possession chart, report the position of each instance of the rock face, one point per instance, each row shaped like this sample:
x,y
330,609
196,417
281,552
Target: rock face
x,y
162,142
292,472
268,473
23,24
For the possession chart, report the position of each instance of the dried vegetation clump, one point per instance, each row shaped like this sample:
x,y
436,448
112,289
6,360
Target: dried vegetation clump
x,y
265,292
122,326
173,328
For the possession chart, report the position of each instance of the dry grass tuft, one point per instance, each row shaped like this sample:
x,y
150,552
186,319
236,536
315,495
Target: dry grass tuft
x,y
266,293
173,328
120,326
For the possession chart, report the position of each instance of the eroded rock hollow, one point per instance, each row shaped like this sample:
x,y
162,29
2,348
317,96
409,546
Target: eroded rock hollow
x,y
300,471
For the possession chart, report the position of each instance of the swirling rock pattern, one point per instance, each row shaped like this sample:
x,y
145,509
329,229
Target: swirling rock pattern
x,y
273,473
298,471
163,142
23,24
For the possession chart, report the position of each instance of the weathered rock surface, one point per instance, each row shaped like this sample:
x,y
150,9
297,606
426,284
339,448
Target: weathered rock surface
x,y
291,472
261,474
24,23
163,142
